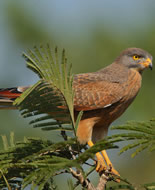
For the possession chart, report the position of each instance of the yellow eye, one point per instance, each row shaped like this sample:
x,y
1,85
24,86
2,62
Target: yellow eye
x,y
136,57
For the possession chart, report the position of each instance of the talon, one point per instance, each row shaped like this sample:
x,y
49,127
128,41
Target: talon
x,y
100,163
100,166
115,172
104,163
109,164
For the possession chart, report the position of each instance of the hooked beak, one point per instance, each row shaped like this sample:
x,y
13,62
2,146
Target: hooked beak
x,y
147,63
151,66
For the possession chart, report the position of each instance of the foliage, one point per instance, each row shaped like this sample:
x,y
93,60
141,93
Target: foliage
x,y
37,161
142,133
50,103
149,186
41,160
52,92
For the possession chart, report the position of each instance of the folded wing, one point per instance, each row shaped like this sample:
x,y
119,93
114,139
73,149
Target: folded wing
x,y
93,93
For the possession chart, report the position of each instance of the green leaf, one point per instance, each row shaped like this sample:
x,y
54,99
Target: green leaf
x,y
78,120
99,146
133,145
5,142
53,94
143,133
12,143
149,186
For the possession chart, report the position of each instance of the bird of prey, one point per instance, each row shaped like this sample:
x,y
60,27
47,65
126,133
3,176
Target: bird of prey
x,y
103,96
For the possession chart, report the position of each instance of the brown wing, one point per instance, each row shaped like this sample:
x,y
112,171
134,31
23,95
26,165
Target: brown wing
x,y
92,91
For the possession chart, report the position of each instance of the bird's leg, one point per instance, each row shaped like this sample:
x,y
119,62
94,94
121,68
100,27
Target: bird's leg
x,y
103,161
100,161
108,162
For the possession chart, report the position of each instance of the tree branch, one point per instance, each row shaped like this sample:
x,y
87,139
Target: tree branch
x,y
104,178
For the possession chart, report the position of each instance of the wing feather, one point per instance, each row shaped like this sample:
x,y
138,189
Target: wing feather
x,y
93,91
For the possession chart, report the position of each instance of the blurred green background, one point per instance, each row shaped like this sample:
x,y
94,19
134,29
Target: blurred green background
x,y
93,33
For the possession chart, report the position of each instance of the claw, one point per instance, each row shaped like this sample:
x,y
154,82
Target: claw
x,y
100,163
104,163
115,172
109,164
101,167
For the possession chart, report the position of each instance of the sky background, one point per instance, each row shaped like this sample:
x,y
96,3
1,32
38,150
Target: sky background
x,y
93,33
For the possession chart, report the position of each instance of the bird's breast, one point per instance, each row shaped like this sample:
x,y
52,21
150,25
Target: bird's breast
x,y
131,89
132,86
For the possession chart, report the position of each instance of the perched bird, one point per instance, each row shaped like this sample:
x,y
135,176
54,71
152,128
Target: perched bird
x,y
103,96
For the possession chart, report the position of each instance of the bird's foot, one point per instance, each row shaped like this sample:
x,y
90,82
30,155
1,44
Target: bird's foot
x,y
114,172
104,164
100,166
110,167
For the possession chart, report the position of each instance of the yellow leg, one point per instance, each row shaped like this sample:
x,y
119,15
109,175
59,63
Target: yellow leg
x,y
108,162
103,163
100,161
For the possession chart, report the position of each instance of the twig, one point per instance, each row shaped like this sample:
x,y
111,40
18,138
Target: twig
x,y
61,172
71,152
63,134
6,181
104,178
84,182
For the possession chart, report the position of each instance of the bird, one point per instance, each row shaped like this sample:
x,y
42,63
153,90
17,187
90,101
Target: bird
x,y
103,96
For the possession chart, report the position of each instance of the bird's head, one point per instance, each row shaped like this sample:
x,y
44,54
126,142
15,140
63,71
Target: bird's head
x,y
135,58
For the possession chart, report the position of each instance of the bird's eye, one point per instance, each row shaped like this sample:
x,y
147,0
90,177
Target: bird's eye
x,y
136,57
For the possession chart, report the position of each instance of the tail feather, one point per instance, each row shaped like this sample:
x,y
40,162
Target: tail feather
x,y
8,95
6,104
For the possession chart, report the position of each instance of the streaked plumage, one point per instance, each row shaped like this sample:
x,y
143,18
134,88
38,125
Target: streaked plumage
x,y
103,95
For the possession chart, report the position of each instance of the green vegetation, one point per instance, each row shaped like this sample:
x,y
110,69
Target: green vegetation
x,y
93,34
36,161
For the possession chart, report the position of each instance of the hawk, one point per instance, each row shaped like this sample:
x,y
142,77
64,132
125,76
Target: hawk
x,y
103,96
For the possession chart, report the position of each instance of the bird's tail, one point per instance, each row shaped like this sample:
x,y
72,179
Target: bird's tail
x,y
8,95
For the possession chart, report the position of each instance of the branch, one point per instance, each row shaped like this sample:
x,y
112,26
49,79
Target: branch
x,y
104,178
84,182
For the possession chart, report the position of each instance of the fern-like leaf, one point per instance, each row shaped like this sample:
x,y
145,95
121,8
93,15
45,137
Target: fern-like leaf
x,y
51,98
142,132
